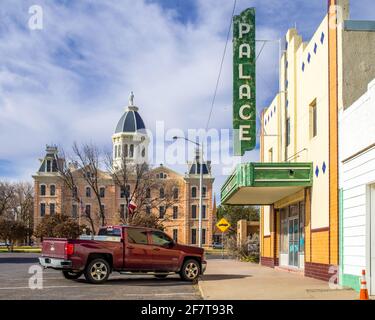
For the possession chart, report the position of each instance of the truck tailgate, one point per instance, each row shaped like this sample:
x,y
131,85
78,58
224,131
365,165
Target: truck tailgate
x,y
54,247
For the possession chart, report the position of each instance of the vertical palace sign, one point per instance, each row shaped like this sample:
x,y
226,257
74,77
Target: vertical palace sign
x,y
244,109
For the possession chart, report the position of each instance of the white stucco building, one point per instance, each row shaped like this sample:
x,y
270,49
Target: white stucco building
x,y
357,190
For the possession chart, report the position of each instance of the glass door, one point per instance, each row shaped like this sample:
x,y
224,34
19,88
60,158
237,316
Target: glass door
x,y
293,227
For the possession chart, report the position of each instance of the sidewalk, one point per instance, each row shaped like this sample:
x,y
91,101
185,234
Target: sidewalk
x,y
231,279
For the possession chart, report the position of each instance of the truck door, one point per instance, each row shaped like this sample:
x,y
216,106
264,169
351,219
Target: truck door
x,y
138,252
165,255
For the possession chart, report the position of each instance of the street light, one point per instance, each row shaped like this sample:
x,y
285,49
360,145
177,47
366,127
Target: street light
x,y
200,186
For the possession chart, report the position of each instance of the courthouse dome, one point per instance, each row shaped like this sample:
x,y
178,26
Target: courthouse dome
x,y
130,121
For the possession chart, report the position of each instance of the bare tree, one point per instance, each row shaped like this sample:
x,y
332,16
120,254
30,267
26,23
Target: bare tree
x,y
23,206
67,169
139,184
87,160
6,197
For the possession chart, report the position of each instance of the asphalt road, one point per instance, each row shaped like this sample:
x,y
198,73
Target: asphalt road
x,y
14,284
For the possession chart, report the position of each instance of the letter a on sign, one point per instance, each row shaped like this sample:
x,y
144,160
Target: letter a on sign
x,y
244,109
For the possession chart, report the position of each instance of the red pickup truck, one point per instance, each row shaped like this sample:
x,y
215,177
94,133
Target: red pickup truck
x,y
125,249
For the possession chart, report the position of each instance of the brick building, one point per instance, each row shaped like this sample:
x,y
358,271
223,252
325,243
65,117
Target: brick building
x,y
130,139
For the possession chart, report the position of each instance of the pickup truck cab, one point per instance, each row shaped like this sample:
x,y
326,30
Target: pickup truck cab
x,y
124,249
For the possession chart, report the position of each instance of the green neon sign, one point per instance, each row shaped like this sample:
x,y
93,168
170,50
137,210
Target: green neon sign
x,y
244,108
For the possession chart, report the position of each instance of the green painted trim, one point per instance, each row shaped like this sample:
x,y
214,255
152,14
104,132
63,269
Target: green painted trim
x,y
349,280
275,174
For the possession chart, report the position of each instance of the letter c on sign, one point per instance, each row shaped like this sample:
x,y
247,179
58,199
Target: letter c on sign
x,y
242,116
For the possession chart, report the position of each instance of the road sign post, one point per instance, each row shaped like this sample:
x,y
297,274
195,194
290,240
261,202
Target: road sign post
x,y
223,225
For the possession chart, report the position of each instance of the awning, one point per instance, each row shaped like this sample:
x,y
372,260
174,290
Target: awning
x,y
265,183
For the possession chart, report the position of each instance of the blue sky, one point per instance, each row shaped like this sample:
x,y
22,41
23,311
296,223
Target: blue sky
x,y
70,81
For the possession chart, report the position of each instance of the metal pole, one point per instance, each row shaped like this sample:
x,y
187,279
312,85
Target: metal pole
x,y
200,197
222,245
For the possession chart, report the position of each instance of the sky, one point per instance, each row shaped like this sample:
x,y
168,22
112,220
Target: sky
x,y
71,80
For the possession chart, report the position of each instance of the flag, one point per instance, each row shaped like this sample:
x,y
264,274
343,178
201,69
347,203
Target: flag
x,y
131,207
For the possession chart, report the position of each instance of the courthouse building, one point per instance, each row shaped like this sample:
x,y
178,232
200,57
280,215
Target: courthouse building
x,y
52,196
296,181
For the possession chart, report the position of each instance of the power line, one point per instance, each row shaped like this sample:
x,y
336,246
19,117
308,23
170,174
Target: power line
x,y
221,65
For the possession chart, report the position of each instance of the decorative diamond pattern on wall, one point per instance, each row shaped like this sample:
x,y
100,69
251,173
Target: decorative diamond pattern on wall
x,y
317,171
308,57
315,48
322,38
324,167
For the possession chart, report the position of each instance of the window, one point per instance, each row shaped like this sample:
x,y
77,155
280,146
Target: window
x,y
125,191
302,227
148,210
137,236
162,194
122,211
204,212
193,211
143,152
42,209
126,151
52,190
131,151
102,192
42,190
75,192
160,239
270,155
88,210
175,235
110,232
54,165
175,212
194,192
204,192
51,209
74,211
284,230
161,212
48,166
148,193
88,192
193,236
115,151
203,236
175,193
313,119
287,132
102,209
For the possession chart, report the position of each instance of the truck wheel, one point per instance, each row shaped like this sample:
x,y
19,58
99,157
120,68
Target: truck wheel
x,y
190,270
97,271
71,275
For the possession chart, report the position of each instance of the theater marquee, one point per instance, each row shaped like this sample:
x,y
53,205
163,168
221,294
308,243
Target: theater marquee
x,y
244,109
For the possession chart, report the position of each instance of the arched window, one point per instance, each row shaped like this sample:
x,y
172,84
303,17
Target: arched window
x,y
143,152
52,190
175,193
131,151
115,151
119,150
204,192
148,193
43,190
162,193
126,150
194,192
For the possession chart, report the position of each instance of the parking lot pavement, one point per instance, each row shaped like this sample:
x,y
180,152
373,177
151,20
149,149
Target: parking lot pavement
x,y
14,284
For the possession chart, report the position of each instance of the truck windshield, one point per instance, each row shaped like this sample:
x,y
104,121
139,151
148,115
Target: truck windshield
x,y
112,232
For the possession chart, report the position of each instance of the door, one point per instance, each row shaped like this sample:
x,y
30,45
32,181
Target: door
x,y
293,226
372,240
138,252
165,254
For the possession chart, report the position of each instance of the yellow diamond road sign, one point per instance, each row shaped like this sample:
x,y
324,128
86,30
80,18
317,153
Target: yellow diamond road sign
x,y
223,225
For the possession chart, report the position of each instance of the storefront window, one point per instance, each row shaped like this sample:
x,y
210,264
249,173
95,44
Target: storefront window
x,y
302,227
284,230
